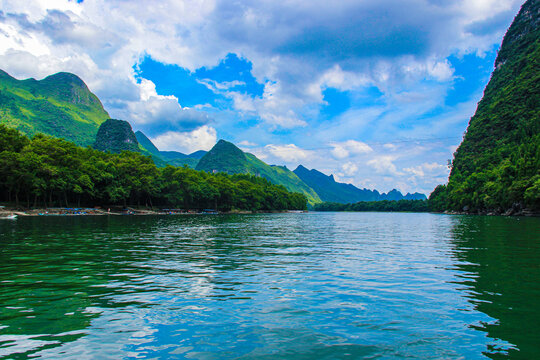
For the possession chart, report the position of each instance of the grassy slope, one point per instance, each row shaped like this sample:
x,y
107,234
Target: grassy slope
x,y
60,105
226,157
498,162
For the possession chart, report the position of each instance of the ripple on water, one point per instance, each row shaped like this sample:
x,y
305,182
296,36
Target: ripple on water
x,y
294,286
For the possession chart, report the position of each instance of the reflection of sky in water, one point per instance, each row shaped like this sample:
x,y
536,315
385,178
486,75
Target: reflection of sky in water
x,y
282,285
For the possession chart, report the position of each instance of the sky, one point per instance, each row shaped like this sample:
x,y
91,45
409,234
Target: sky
x,y
378,93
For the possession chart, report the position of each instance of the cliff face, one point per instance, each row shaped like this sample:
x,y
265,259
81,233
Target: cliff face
x,y
497,166
116,136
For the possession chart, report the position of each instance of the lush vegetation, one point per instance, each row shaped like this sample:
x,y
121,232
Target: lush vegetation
x,y
226,157
116,136
47,171
384,205
497,166
330,190
60,105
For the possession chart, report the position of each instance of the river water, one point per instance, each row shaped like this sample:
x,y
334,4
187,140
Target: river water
x,y
270,286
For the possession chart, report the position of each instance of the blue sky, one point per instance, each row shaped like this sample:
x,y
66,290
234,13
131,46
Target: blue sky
x,y
378,93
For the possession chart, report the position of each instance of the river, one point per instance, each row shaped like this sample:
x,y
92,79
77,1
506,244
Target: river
x,y
270,286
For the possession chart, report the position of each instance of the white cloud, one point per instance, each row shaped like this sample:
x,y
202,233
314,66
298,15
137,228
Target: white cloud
x,y
288,152
384,165
247,143
339,152
203,138
349,168
289,57
441,70
267,33
149,109
342,150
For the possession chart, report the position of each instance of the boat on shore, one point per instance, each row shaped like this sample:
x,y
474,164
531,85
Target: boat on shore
x,y
9,217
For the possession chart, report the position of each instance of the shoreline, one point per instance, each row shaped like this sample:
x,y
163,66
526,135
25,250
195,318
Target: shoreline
x,y
7,212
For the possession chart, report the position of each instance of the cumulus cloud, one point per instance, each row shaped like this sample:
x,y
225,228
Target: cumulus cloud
x,y
384,165
203,138
297,49
342,150
288,152
349,168
350,45
431,169
161,112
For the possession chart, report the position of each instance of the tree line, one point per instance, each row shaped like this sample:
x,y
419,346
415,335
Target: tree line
x,y
47,171
383,206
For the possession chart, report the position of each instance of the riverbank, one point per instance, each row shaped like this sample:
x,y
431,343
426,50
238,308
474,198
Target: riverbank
x,y
6,212
509,212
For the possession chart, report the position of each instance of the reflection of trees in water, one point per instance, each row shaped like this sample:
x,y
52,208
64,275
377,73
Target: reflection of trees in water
x,y
59,274
502,259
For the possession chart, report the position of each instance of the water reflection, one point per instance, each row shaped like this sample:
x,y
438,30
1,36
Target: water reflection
x,y
295,286
500,261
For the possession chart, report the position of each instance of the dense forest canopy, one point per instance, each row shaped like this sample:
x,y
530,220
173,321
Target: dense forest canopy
x,y
53,172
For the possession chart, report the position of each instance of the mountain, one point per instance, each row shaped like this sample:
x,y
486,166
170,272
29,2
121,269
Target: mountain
x,y
330,190
197,154
174,158
497,166
116,136
226,157
145,142
60,105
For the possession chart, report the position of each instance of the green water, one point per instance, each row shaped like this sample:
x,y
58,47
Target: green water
x,y
272,286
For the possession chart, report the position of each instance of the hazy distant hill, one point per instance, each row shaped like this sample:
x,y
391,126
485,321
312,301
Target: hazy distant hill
x,y
329,190
497,166
226,157
59,105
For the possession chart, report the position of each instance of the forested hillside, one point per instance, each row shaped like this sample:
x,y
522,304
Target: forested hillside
x,y
226,157
59,105
497,166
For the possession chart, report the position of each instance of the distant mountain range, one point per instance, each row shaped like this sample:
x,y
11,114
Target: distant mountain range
x,y
329,190
61,105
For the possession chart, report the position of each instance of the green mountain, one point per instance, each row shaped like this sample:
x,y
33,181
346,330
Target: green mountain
x,y
116,136
174,158
226,157
329,190
59,105
497,166
145,142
